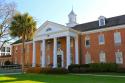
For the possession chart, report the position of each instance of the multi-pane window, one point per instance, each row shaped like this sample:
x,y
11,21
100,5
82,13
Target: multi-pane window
x,y
87,58
119,57
87,41
117,37
58,44
101,21
3,49
101,39
102,57
8,49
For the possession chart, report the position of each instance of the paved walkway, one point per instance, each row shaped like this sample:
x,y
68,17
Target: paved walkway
x,y
9,73
101,75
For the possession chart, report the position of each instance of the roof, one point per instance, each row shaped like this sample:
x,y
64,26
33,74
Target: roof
x,y
109,22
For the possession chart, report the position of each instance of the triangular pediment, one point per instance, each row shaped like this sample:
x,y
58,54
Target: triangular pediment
x,y
49,27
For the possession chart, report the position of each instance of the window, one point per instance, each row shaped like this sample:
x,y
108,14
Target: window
x,y
48,29
102,57
87,58
58,44
101,21
117,37
3,49
101,39
87,41
48,57
119,57
8,49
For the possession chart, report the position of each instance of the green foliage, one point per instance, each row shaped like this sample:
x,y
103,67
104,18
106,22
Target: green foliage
x,y
7,62
94,67
47,70
23,26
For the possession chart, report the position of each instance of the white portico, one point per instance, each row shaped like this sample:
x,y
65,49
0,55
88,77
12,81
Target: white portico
x,y
54,31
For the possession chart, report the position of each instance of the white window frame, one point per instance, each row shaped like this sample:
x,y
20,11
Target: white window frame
x,y
99,38
119,57
101,21
88,58
102,57
87,38
117,37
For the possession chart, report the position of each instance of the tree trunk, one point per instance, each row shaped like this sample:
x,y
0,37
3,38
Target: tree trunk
x,y
23,54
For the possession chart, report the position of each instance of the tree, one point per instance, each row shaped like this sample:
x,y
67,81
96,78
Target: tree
x,y
7,10
24,27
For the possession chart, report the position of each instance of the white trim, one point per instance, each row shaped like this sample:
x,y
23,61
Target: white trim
x,y
21,43
104,29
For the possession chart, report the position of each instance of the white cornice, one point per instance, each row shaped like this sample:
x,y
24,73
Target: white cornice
x,y
104,29
21,43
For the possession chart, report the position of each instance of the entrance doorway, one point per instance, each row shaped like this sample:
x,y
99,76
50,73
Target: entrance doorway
x,y
59,61
59,58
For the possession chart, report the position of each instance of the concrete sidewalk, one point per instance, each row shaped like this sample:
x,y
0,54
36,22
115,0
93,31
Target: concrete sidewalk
x,y
101,75
9,73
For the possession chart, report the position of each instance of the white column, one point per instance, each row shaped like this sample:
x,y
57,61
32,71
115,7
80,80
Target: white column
x,y
43,53
68,51
34,55
76,51
55,53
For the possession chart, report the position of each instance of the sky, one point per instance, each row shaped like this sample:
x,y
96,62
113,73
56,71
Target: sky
x,y
58,10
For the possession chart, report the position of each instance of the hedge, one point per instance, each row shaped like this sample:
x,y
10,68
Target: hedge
x,y
94,67
47,70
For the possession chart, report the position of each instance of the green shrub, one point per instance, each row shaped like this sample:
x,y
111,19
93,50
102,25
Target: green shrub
x,y
54,71
121,70
94,67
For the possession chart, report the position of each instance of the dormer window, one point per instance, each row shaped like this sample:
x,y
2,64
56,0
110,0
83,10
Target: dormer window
x,y
101,21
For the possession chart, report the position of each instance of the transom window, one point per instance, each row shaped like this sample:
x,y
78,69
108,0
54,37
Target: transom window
x,y
101,39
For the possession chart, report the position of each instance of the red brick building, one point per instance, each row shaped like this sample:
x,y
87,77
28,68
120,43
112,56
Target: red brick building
x,y
56,45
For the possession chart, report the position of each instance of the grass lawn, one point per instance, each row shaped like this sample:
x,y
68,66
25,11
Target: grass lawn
x,y
68,78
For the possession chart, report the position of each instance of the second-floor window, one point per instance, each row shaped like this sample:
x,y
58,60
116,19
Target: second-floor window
x,y
87,41
101,39
117,37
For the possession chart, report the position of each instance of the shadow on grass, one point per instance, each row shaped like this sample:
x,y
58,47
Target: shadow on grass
x,y
36,78
67,78
22,78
